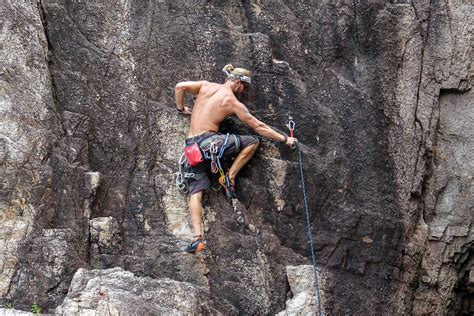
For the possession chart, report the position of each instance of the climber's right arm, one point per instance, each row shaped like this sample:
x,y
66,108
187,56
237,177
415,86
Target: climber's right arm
x,y
260,127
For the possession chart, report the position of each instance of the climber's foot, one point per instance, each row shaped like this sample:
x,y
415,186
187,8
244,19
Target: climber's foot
x,y
229,186
196,246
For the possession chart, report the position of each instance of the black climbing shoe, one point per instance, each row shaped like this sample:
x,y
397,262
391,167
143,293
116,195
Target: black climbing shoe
x,y
196,246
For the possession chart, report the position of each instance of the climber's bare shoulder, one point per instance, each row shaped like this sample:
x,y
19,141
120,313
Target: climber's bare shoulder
x,y
213,104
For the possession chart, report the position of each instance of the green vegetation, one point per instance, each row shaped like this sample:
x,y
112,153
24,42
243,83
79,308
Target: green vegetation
x,y
35,308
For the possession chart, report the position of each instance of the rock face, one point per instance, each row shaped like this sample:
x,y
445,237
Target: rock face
x,y
105,235
119,292
448,260
89,139
304,300
14,312
28,130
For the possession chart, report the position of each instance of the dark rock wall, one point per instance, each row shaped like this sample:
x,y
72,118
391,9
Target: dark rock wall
x,y
28,134
380,93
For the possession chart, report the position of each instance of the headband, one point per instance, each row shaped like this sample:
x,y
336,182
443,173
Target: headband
x,y
238,77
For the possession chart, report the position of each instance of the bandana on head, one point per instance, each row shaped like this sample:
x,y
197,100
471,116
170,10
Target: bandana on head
x,y
238,77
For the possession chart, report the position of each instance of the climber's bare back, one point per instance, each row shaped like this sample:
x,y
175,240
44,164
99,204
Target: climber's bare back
x,y
214,102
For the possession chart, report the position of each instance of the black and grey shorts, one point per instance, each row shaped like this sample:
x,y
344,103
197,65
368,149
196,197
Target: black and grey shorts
x,y
235,144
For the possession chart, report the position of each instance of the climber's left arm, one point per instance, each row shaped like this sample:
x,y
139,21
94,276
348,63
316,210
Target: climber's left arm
x,y
180,90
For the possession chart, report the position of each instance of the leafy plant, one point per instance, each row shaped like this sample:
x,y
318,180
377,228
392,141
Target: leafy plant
x,y
35,308
9,306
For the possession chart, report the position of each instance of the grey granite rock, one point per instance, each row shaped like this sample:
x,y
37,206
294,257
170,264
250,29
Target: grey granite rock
x,y
304,300
27,131
381,95
105,235
118,292
14,312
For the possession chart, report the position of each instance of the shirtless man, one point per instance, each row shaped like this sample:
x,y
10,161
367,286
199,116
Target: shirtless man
x,y
214,102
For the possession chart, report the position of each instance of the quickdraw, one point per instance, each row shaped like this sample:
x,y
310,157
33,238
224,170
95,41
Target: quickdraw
x,y
213,153
180,175
291,126
221,153
213,149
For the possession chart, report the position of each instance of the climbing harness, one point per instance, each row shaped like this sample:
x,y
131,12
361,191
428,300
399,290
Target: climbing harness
x,y
210,152
291,127
214,154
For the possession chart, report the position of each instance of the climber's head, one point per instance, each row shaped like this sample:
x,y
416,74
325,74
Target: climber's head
x,y
240,77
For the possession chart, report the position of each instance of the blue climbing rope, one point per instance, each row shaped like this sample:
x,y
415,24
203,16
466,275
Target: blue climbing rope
x,y
291,125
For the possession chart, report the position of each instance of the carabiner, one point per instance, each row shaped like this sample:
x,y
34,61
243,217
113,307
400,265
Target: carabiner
x,y
291,126
213,149
182,159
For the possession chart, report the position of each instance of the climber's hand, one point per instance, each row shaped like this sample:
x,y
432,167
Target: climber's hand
x,y
291,142
186,111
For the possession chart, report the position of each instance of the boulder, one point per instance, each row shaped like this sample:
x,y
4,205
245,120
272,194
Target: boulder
x,y
118,292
